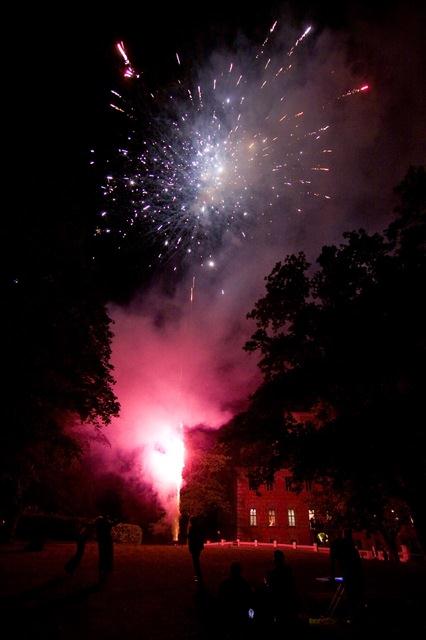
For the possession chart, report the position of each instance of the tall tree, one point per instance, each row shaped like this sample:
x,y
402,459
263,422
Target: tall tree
x,y
57,352
208,482
345,343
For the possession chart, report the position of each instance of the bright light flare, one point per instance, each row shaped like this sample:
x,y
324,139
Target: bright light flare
x,y
166,460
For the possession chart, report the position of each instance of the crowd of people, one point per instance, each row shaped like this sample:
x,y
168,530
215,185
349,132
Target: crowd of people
x,y
241,609
275,608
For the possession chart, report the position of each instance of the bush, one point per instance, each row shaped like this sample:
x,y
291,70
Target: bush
x,y
127,533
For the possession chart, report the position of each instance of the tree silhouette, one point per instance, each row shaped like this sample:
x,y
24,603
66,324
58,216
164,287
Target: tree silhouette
x,y
57,335
344,346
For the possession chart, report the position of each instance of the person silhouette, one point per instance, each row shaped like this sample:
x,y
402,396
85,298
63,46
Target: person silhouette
x,y
103,528
236,603
281,600
83,535
196,545
345,559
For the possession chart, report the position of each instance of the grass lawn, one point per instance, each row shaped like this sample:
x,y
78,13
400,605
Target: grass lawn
x,y
151,593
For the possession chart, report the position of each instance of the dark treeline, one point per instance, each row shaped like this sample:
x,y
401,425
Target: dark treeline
x,y
342,350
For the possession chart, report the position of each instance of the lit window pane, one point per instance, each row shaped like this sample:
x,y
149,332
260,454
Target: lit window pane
x,y
271,518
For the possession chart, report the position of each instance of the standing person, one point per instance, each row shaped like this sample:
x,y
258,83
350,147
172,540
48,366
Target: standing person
x,y
345,558
83,535
281,593
236,604
196,545
103,528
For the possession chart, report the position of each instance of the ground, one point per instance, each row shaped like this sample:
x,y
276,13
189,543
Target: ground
x,y
152,595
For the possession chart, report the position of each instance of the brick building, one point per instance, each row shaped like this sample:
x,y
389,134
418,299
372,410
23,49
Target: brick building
x,y
274,511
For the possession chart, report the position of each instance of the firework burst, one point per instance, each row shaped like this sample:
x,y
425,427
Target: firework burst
x,y
211,158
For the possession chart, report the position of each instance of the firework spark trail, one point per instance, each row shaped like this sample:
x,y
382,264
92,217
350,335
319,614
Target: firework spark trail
x,y
352,92
198,157
129,72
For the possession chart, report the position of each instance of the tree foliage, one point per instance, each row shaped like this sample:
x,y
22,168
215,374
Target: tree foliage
x,y
208,481
345,344
57,352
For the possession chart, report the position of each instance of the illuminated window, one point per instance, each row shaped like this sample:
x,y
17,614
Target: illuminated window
x,y
271,518
311,516
253,518
291,518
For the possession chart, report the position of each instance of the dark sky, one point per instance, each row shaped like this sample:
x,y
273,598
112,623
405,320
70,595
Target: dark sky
x,y
61,64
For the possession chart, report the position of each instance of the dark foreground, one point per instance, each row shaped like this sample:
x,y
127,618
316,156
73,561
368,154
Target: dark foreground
x,y
151,594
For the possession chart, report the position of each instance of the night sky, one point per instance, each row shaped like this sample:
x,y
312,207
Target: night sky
x,y
175,362
60,64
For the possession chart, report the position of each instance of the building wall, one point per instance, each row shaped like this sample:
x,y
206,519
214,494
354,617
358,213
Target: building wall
x,y
279,498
